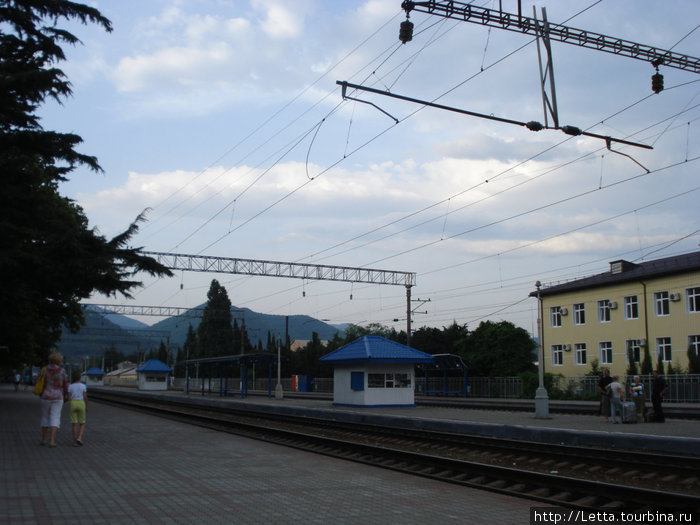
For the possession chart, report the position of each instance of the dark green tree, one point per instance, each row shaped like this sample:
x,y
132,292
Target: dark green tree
x,y
50,259
190,349
440,341
355,331
647,363
659,364
498,350
214,333
631,364
163,353
112,357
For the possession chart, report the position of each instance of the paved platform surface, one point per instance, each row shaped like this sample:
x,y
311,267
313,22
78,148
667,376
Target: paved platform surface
x,y
136,468
671,428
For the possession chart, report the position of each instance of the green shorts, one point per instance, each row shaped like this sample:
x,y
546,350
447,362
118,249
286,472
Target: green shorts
x,y
77,411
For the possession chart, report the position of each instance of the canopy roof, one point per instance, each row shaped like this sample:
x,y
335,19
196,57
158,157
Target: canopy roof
x,y
154,365
94,371
376,349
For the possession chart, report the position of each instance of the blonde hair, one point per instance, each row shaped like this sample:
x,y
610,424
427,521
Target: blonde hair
x,y
55,358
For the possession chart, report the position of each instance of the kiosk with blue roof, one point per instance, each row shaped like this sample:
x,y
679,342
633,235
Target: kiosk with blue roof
x,y
154,375
374,371
94,377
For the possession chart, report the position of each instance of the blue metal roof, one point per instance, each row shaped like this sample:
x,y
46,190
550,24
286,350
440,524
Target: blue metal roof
x,y
94,371
154,365
376,349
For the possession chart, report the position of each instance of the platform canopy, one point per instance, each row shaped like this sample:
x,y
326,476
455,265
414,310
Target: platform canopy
x,y
94,371
238,358
375,349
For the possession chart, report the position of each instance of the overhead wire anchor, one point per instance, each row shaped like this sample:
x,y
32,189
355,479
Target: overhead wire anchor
x,y
344,85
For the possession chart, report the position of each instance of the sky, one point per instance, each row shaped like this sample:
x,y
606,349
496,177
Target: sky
x,y
224,121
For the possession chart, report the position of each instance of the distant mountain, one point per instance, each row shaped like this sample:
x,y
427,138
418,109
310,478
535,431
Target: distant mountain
x,y
127,335
257,325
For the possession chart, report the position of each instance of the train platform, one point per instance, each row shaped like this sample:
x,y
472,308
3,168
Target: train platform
x,y
680,436
141,469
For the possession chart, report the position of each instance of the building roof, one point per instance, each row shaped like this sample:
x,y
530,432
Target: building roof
x,y
154,365
125,371
94,371
624,271
376,349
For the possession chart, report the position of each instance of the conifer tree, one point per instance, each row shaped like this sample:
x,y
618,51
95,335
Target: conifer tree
x,y
50,259
214,333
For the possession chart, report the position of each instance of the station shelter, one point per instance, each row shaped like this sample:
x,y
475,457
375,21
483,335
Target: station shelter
x,y
219,370
375,371
154,375
94,377
445,376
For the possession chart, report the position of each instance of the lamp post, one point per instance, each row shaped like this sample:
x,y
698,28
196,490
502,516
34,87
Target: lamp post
x,y
541,398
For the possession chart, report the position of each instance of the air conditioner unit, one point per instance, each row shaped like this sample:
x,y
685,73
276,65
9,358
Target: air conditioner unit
x,y
567,348
675,297
564,311
613,305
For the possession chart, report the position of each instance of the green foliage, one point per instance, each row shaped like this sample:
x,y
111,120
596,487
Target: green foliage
x,y
498,349
354,331
49,257
631,365
659,364
440,341
305,361
595,370
215,335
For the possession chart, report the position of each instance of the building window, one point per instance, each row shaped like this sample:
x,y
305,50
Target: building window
x,y
662,304
580,353
631,307
604,311
663,348
579,314
694,343
606,353
389,380
693,295
555,316
635,346
557,355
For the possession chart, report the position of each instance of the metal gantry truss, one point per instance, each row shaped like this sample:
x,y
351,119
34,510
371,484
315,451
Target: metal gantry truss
x,y
317,272
569,35
154,311
314,272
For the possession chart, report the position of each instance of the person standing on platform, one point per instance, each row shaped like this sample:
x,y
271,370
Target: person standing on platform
x,y
77,393
605,380
658,389
17,379
55,390
637,394
617,396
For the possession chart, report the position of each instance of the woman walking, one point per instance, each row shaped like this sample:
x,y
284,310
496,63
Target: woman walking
x,y
55,389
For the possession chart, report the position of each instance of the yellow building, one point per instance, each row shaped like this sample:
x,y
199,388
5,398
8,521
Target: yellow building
x,y
654,303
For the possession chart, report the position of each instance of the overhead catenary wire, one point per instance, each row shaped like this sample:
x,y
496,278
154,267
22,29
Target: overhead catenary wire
x,y
446,215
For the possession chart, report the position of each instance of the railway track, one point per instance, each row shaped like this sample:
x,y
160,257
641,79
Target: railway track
x,y
574,477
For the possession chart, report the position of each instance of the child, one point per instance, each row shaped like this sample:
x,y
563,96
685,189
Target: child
x,y
77,393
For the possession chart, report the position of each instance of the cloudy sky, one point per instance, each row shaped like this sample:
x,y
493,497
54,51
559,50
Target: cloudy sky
x,y
224,119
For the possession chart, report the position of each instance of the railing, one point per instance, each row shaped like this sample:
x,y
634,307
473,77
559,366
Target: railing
x,y
682,388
